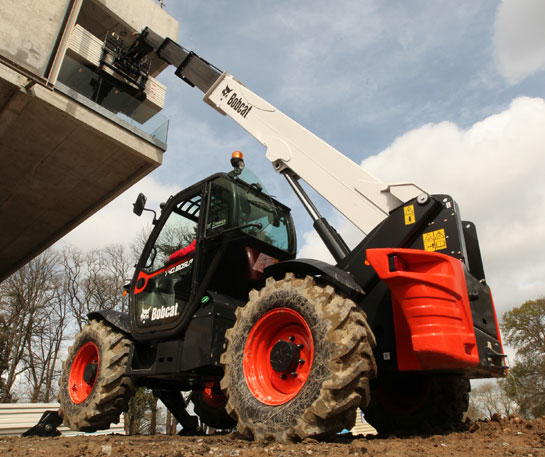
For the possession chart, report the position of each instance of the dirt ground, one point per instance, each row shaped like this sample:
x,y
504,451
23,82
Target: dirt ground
x,y
501,437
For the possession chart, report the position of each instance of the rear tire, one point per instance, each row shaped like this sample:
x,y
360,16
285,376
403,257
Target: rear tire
x,y
319,396
93,397
417,403
211,410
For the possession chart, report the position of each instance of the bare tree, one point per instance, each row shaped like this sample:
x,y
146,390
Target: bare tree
x,y
43,347
119,266
37,303
3,353
489,399
108,270
24,297
153,416
73,264
95,280
170,423
137,246
46,297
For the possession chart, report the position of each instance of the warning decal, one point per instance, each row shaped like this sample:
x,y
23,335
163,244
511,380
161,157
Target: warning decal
x,y
435,241
409,214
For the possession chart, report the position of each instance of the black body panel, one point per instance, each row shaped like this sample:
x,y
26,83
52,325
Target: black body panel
x,y
187,362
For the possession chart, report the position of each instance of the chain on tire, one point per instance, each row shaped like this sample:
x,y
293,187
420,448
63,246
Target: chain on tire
x,y
298,361
94,389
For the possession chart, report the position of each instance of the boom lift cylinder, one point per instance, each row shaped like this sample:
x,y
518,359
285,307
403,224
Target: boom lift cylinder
x,y
333,241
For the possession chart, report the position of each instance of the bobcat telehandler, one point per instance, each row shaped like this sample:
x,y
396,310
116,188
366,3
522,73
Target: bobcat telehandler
x,y
281,347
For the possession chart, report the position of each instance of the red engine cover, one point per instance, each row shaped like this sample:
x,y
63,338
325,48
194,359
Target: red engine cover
x,y
432,317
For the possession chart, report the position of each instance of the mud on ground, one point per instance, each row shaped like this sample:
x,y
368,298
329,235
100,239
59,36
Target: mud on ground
x,y
500,437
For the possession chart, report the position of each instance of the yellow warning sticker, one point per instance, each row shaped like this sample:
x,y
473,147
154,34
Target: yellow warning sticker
x,y
435,241
409,214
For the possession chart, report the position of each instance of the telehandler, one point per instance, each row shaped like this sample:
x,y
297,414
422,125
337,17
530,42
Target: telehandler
x,y
281,347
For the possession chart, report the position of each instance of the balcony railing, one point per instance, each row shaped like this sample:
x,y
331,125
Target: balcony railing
x,y
120,102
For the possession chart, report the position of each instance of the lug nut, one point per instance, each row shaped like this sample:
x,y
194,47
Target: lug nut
x,y
300,346
301,361
294,374
292,338
283,376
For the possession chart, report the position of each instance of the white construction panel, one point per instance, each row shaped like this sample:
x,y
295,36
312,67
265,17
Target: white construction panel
x,y
16,418
84,46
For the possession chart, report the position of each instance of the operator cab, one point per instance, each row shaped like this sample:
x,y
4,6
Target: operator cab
x,y
216,237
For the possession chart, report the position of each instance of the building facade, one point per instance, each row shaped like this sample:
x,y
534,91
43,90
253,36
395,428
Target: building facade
x,y
75,132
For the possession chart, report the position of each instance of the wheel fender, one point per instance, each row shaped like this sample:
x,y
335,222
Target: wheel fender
x,y
340,279
116,319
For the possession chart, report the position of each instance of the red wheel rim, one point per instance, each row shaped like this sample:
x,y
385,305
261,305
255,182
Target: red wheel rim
x,y
268,386
78,388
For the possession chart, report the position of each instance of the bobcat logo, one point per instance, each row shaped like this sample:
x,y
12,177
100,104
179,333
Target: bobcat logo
x,y
225,92
144,316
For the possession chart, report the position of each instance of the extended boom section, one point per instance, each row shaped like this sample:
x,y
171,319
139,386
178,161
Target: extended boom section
x,y
360,196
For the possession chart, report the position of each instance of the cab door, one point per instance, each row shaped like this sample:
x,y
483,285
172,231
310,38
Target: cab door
x,y
163,284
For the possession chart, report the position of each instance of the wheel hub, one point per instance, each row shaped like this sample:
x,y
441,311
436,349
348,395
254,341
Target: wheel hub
x,y
278,356
90,373
285,356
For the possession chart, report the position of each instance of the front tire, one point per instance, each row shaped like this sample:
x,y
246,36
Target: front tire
x,y
298,361
94,389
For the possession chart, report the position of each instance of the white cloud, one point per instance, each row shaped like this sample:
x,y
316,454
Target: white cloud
x,y
519,38
116,223
313,247
494,170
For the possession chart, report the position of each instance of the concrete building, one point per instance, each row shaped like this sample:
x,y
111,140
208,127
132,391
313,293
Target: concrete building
x,y
74,133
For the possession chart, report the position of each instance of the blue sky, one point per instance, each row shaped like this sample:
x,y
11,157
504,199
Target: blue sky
x,y
449,95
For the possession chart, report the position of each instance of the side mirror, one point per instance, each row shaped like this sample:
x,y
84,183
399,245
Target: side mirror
x,y
139,205
274,219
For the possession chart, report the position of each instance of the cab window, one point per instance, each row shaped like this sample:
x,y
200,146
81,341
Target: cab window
x,y
179,231
268,223
220,214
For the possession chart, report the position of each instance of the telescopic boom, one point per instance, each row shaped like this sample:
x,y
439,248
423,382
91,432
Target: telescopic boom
x,y
293,150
